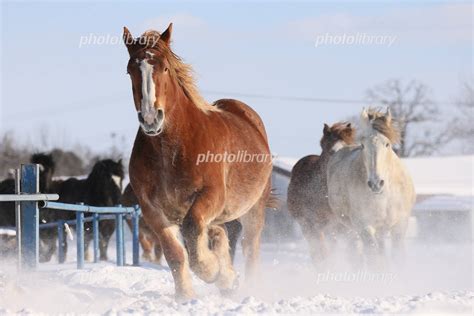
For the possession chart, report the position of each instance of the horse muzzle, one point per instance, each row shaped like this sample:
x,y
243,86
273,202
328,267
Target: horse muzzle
x,y
376,186
152,123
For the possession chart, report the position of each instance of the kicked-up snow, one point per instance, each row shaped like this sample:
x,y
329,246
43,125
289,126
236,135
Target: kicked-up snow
x,y
432,279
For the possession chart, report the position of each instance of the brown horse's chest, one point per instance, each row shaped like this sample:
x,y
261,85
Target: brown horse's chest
x,y
166,187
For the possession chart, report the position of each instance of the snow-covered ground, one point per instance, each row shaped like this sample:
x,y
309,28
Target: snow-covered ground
x,y
433,279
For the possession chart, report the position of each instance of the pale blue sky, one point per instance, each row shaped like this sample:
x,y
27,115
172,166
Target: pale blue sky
x,y
82,95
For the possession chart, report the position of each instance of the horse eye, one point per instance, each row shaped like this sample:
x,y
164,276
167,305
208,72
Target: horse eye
x,y
166,69
387,145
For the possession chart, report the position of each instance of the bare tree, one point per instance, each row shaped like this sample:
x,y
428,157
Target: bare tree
x,y
413,108
462,127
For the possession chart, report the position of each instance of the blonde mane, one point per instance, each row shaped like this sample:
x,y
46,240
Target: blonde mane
x,y
382,123
181,71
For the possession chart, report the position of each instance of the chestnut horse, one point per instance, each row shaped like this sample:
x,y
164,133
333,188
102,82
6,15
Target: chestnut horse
x,y
308,192
176,191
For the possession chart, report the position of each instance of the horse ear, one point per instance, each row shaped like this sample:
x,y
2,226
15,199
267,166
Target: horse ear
x,y
325,129
119,161
388,115
128,39
166,36
364,116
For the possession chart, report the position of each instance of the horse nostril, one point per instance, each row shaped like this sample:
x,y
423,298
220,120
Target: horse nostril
x,y
370,184
160,115
382,183
140,117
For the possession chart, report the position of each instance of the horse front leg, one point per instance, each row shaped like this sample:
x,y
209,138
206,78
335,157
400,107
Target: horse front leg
x,y
203,261
106,229
397,235
368,236
316,239
174,252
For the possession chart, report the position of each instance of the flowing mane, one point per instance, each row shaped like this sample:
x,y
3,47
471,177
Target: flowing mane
x,y
180,70
344,130
384,124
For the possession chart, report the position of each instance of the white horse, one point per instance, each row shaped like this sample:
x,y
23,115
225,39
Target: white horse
x,y
369,189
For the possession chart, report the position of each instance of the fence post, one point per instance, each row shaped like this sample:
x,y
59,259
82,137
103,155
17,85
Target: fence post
x,y
29,227
119,237
135,232
18,216
80,238
95,232
61,241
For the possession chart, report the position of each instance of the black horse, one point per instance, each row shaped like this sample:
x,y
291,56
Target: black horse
x,y
103,187
7,209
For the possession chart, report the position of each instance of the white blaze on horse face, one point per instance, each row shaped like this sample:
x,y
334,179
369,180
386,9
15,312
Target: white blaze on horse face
x,y
118,181
375,155
337,146
148,92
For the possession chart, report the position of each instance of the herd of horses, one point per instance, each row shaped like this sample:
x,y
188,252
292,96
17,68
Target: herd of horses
x,y
102,187
194,213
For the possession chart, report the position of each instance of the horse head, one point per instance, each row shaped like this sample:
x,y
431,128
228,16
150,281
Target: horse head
x,y
337,136
108,170
153,84
379,133
47,167
160,80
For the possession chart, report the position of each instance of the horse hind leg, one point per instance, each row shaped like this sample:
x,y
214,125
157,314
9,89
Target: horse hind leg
x,y
158,252
233,228
146,246
253,222
227,280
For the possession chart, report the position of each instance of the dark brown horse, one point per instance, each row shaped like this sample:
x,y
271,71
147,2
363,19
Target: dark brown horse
x,y
308,191
176,190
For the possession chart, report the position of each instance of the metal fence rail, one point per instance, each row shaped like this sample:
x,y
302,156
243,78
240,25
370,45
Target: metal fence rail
x,y
28,199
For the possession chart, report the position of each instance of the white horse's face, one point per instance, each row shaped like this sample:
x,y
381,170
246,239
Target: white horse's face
x,y
376,149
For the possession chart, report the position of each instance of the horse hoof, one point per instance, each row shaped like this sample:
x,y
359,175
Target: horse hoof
x,y
184,297
229,292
